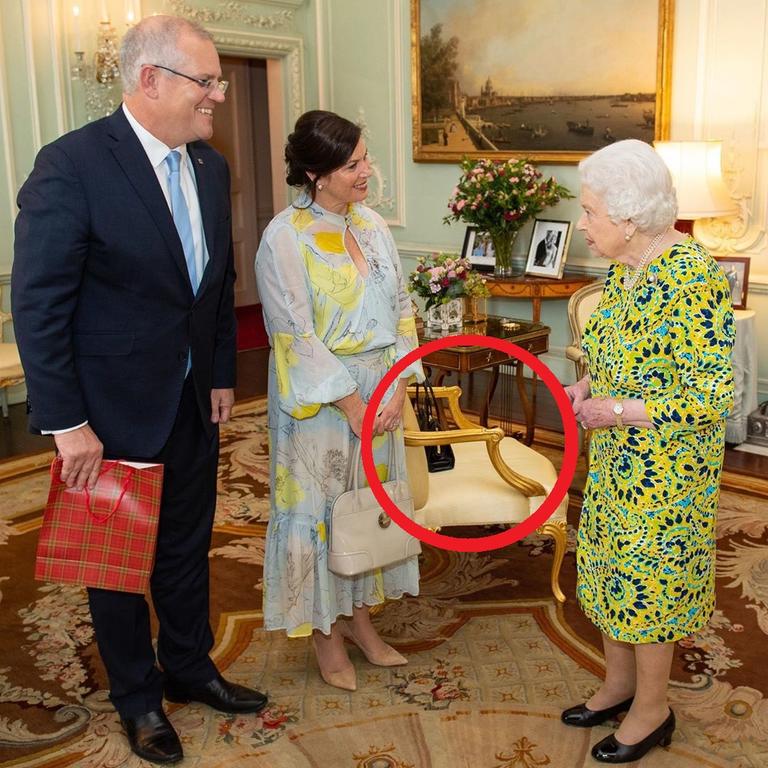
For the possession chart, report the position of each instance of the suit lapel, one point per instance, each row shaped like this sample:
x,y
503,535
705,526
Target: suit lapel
x,y
135,164
208,205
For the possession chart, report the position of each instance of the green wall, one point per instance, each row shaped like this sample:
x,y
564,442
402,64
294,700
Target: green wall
x,y
352,56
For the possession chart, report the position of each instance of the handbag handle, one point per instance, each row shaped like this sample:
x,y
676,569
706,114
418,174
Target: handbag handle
x,y
106,466
353,478
429,400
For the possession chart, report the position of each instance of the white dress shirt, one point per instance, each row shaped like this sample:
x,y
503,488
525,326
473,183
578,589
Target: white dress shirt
x,y
157,152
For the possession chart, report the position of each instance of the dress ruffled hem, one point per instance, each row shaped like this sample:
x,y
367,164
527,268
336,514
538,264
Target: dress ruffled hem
x,y
311,592
306,629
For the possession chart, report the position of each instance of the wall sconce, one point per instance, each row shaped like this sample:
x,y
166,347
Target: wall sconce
x,y
698,178
100,76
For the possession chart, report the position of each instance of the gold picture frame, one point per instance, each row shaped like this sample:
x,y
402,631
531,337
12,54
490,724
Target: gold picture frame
x,y
530,125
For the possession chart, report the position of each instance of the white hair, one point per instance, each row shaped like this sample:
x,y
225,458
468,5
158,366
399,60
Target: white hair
x,y
634,183
154,40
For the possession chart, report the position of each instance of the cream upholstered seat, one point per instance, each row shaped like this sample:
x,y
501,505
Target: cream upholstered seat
x,y
496,479
11,372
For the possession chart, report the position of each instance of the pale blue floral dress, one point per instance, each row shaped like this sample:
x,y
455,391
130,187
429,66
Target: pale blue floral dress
x,y
331,332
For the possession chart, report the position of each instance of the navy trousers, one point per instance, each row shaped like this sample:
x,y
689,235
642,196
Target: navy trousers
x,y
179,582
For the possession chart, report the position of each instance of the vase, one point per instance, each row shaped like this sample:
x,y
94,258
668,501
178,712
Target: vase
x,y
502,252
474,309
446,316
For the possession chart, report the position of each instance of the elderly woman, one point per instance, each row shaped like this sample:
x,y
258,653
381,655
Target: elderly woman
x,y
656,396
338,317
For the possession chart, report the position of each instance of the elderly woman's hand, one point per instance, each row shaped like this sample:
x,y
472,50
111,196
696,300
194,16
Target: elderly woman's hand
x,y
577,393
596,413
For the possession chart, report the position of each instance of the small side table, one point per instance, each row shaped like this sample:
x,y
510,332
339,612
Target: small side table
x,y
532,337
537,288
744,360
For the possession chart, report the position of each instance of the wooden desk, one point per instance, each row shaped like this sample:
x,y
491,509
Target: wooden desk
x,y
537,288
532,337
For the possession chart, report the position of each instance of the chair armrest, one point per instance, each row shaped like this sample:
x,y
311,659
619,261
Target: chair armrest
x,y
5,317
492,438
445,436
452,394
574,354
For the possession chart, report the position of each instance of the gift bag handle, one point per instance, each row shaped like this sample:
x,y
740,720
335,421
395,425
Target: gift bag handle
x,y
106,466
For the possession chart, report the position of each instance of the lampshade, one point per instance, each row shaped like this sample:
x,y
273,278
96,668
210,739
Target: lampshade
x,y
698,178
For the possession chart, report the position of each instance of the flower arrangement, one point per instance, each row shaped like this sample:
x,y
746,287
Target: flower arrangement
x,y
442,277
500,197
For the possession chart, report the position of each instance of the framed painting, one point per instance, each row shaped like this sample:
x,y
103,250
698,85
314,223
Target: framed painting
x,y
736,270
541,79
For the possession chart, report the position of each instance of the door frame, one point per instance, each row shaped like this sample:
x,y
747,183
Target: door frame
x,y
288,53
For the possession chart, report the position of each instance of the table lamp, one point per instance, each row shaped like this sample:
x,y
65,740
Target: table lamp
x,y
698,178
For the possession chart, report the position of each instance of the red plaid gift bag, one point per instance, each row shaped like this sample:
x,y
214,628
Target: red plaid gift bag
x,y
105,537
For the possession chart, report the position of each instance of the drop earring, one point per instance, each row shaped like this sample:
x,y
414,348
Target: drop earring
x,y
320,186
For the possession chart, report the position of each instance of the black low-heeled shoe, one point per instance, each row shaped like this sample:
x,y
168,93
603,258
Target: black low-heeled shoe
x,y
610,750
584,717
153,738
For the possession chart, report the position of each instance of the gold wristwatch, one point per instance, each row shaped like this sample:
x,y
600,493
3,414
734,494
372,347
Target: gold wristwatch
x,y
618,411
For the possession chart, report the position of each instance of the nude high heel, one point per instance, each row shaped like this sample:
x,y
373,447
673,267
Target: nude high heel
x,y
387,658
344,678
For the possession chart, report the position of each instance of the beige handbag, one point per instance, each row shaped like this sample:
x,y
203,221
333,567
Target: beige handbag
x,y
363,536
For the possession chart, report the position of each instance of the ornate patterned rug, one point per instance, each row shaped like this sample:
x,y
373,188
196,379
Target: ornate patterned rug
x,y
493,659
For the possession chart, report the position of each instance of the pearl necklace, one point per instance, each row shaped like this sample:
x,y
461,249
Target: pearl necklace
x,y
631,278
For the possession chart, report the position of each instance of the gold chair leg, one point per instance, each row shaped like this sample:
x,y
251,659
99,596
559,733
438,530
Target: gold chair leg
x,y
558,531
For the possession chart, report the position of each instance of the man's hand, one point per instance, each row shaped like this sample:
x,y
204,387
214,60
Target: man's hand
x,y
222,401
81,452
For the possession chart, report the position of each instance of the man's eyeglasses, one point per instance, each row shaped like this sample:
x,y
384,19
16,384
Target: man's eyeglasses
x,y
209,84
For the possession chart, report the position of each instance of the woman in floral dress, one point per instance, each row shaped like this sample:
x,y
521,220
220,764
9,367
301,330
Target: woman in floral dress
x,y
656,396
338,318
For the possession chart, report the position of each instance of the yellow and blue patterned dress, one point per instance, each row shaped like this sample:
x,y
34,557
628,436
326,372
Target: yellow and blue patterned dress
x,y
332,332
646,543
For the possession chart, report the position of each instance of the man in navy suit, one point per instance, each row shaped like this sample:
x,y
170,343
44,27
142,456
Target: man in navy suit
x,y
123,300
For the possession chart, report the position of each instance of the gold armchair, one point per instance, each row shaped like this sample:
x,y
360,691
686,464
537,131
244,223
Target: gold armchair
x,y
581,305
496,480
11,372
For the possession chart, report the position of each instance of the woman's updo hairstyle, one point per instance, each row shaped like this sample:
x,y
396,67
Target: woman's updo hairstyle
x,y
320,143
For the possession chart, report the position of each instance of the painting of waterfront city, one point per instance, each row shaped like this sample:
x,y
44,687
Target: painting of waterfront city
x,y
550,79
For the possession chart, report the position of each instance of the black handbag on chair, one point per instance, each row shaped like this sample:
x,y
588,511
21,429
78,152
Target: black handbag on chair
x,y
439,457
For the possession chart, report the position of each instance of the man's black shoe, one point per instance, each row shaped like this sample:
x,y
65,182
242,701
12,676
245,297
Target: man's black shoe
x,y
153,738
217,693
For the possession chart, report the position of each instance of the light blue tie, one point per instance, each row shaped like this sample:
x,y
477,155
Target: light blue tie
x,y
181,216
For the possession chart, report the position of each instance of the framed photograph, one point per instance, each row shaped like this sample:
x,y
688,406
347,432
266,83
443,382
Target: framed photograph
x,y
736,270
478,248
548,248
537,78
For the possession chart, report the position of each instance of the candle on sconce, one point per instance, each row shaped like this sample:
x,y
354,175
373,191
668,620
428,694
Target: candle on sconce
x,y
104,12
76,27
130,13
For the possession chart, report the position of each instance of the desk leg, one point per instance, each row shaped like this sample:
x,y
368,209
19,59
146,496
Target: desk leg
x,y
529,408
489,395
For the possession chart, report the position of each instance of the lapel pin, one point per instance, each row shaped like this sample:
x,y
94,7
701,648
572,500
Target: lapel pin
x,y
200,160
